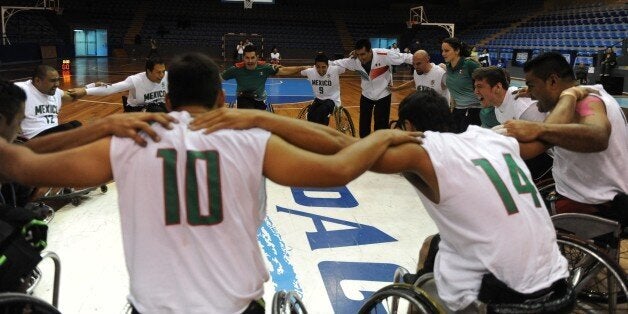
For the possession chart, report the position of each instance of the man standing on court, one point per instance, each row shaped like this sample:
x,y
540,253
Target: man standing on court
x,y
325,80
147,90
43,103
426,75
373,65
251,77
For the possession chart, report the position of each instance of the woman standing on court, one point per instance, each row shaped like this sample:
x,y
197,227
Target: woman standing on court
x,y
459,69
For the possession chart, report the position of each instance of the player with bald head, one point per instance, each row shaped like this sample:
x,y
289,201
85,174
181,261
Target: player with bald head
x,y
426,75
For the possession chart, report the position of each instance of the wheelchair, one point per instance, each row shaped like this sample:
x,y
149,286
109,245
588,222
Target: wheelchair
x,y
287,302
250,98
23,300
11,303
148,107
409,294
341,117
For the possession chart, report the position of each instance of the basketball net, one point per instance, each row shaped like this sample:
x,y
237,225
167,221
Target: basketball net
x,y
248,4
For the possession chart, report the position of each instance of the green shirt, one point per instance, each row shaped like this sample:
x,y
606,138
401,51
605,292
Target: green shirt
x,y
252,81
488,118
460,83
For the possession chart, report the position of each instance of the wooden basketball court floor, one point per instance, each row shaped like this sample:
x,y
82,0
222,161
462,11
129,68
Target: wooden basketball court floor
x,y
334,246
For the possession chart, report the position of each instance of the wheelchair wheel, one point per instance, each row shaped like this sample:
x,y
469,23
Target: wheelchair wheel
x,y
269,108
22,303
547,190
400,298
343,120
599,282
303,112
287,303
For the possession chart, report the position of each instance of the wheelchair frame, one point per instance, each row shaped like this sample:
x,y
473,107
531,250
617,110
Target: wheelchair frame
x,y
600,284
342,119
287,302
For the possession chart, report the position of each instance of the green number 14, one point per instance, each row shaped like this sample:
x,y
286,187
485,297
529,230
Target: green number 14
x,y
519,179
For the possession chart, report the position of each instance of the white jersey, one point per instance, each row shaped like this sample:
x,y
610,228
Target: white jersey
x,y
434,79
141,89
522,108
596,178
326,86
513,239
190,208
376,83
41,111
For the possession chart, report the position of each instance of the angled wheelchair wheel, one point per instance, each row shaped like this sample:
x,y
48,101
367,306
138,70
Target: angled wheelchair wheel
x,y
599,282
11,303
401,298
343,120
269,108
303,112
287,302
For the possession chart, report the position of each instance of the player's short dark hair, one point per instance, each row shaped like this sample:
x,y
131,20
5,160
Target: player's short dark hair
x,y
492,75
11,98
363,43
457,44
152,61
193,78
321,57
250,48
41,71
426,110
548,63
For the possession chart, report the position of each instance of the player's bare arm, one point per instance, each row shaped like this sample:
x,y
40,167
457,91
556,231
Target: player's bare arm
x,y
573,125
289,165
304,134
83,166
290,70
414,162
121,125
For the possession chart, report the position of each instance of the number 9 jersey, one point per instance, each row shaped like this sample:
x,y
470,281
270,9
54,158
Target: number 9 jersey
x,y
326,86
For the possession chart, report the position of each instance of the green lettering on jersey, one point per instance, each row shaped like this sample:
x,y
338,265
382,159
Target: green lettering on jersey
x,y
499,185
517,175
213,184
171,189
192,204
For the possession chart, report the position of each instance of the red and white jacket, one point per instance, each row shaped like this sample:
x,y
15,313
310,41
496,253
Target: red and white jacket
x,y
375,84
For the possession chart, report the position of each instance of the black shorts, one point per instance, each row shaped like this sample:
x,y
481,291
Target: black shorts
x,y
245,102
320,110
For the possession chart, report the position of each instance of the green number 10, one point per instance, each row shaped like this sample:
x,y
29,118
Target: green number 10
x,y
171,190
519,179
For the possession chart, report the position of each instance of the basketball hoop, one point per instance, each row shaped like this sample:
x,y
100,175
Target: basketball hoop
x,y
409,24
248,4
